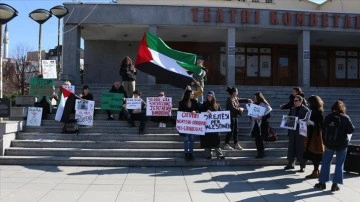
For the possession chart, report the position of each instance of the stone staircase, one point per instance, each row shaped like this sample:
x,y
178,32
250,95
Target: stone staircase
x,y
113,143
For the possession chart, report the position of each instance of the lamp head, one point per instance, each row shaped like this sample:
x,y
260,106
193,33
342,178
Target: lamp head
x,y
59,11
7,13
40,15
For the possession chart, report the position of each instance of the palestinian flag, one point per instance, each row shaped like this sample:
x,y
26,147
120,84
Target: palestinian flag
x,y
154,57
66,105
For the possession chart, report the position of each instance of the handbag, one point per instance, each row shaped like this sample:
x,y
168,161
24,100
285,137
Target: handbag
x,y
271,135
316,144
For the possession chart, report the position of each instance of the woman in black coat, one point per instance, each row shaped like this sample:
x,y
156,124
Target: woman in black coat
x,y
211,140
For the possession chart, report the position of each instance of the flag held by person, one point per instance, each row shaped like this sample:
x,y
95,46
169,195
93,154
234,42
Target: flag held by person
x,y
154,57
66,105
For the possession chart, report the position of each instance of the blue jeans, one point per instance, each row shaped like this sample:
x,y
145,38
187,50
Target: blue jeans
x,y
189,143
339,165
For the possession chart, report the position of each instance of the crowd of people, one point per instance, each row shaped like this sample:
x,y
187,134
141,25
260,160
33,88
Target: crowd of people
x,y
311,147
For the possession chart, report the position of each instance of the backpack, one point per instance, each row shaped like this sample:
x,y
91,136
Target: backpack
x,y
331,134
271,135
71,127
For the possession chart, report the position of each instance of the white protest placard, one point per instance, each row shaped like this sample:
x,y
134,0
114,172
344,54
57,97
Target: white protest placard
x,y
289,122
49,69
84,112
133,103
255,110
303,128
190,123
158,106
217,121
69,88
34,115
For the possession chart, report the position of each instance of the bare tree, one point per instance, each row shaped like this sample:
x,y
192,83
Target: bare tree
x,y
18,71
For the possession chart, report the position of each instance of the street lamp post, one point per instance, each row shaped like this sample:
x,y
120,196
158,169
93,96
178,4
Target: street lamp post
x,y
7,13
59,12
40,16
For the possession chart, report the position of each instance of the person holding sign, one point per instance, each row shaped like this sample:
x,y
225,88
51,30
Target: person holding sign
x,y
296,91
211,140
118,88
233,105
314,145
188,104
162,120
138,114
260,124
85,93
296,141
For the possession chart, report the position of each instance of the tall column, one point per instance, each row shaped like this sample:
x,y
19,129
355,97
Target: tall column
x,y
71,53
304,58
230,52
152,79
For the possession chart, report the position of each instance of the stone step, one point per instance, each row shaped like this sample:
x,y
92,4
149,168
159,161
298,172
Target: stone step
x,y
139,162
135,153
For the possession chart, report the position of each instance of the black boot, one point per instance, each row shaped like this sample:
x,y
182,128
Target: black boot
x,y
186,157
191,157
320,186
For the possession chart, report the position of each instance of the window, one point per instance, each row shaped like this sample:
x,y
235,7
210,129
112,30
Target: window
x,y
255,1
268,1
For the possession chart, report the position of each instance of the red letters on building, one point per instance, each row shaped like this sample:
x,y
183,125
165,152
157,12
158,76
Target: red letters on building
x,y
325,20
336,20
287,18
313,19
206,14
300,19
195,13
232,15
273,18
245,17
219,15
347,21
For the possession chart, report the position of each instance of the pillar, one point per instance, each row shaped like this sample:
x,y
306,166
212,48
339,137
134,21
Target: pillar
x,y
71,53
230,52
304,59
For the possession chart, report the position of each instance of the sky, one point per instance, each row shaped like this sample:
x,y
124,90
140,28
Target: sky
x,y
23,31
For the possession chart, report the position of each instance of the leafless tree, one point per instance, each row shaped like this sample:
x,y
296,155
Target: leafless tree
x,y
18,71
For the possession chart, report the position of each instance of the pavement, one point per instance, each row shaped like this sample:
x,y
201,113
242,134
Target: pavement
x,y
170,184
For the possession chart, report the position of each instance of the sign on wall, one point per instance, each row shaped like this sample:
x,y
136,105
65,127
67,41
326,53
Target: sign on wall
x,y
34,116
158,106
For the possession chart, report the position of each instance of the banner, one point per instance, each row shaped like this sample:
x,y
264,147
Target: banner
x,y
303,128
190,123
41,87
255,110
133,103
112,101
34,115
84,112
217,121
49,69
158,106
289,122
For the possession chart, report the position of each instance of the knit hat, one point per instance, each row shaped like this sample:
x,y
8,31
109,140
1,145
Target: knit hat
x,y
211,93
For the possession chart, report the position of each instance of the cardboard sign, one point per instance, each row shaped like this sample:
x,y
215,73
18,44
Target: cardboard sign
x,y
158,106
34,116
217,121
133,103
303,128
84,112
289,122
112,101
49,69
255,110
190,123
41,87
5,107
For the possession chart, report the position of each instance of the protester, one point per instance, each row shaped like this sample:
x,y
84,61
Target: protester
x,y
85,94
260,124
161,120
188,104
296,91
335,141
200,78
211,140
198,90
128,75
233,105
296,141
138,114
314,145
118,88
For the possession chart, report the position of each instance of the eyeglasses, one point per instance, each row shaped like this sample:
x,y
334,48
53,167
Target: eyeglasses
x,y
296,100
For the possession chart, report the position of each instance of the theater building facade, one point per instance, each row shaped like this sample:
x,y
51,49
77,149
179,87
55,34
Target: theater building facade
x,y
263,42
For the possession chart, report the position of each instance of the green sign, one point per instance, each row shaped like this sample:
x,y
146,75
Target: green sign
x,y
112,101
41,87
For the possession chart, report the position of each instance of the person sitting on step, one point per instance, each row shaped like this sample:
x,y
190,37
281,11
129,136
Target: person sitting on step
x,y
138,114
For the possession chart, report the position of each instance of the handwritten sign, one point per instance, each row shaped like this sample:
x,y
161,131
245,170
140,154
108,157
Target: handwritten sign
x,y
112,101
255,110
158,106
49,69
41,87
133,103
34,116
190,123
303,128
84,112
4,107
289,122
217,121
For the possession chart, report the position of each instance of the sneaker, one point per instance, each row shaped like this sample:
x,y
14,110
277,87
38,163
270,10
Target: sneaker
x,y
238,147
320,186
164,125
335,187
228,147
160,125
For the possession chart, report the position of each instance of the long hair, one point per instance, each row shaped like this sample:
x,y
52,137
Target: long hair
x,y
260,98
299,91
339,106
124,61
230,90
213,103
316,103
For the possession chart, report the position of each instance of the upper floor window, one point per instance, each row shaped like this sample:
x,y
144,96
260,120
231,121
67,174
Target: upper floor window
x,y
255,0
268,1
